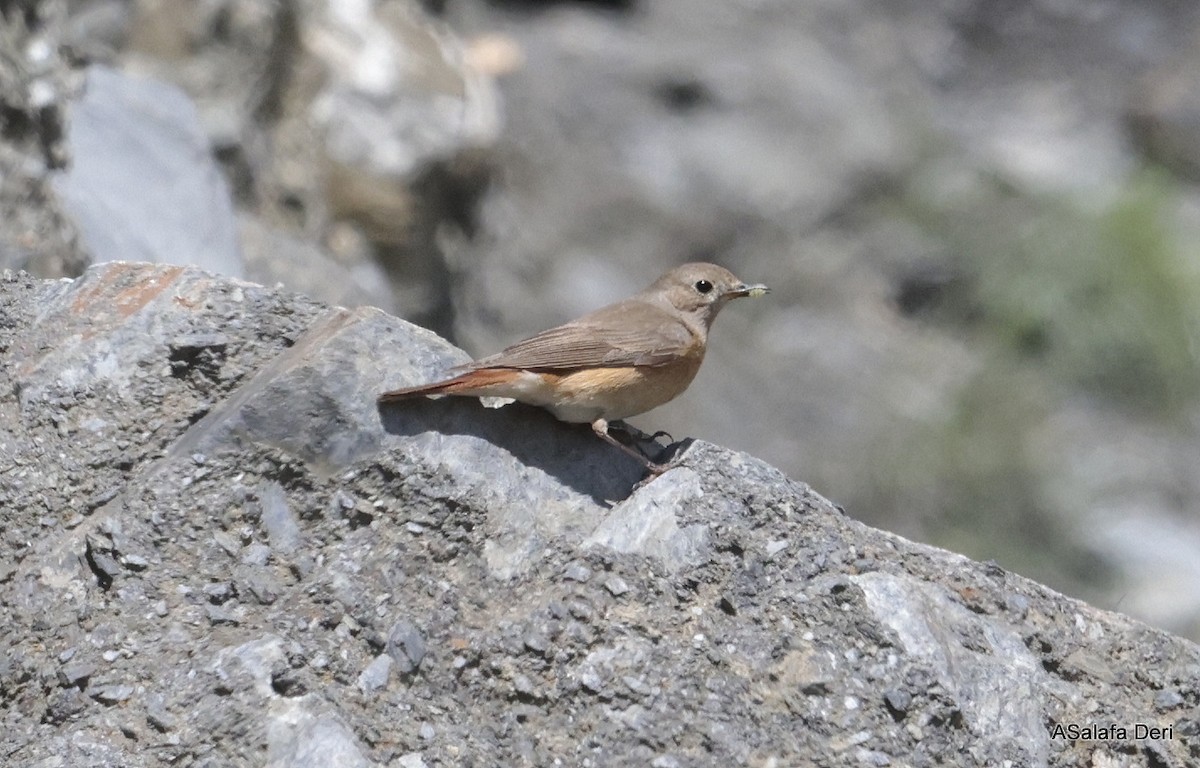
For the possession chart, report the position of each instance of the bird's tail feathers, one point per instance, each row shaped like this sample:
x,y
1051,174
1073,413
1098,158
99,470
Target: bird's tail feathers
x,y
471,383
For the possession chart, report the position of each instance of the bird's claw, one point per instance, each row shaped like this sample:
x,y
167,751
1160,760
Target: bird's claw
x,y
640,436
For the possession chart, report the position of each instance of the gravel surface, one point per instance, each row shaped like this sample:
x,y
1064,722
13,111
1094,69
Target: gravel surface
x,y
220,552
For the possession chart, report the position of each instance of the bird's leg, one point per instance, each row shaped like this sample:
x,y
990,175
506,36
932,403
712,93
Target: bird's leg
x,y
641,441
600,427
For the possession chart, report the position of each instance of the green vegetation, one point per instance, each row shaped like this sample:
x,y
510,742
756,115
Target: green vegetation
x,y
1058,301
1106,301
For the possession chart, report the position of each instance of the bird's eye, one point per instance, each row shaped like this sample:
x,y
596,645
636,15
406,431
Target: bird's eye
x,y
703,286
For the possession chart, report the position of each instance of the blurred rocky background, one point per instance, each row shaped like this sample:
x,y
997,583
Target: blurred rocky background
x,y
978,218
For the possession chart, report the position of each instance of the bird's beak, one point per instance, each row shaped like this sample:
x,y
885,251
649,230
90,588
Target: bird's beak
x,y
748,290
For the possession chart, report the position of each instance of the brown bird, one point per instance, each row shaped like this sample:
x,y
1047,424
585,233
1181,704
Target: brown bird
x,y
616,362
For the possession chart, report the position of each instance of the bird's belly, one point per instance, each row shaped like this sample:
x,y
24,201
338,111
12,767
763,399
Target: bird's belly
x,y
618,393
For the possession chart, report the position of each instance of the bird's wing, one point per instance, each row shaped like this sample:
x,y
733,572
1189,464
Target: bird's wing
x,y
627,333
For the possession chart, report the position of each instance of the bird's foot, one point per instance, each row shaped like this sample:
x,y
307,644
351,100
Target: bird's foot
x,y
639,439
639,435
600,427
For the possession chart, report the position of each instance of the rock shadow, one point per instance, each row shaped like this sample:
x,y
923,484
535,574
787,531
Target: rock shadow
x,y
570,453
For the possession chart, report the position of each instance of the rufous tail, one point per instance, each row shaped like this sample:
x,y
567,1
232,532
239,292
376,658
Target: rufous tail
x,y
469,384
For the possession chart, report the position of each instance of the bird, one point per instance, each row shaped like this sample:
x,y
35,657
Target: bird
x,y
619,361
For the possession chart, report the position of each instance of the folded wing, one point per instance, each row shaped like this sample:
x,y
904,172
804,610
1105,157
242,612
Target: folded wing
x,y
643,335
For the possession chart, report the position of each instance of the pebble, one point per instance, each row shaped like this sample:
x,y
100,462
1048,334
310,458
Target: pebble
x,y
76,673
376,674
218,592
228,542
523,685
159,718
897,700
1167,699
283,530
111,694
406,645
536,641
218,615
775,546
616,586
256,554
578,572
590,680
135,562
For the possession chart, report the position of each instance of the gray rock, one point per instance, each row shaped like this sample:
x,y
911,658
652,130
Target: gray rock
x,y
398,99
283,530
260,659
616,586
76,673
1168,699
263,585
646,523
591,681
997,684
298,738
159,717
218,615
256,554
111,694
677,134
99,558
273,256
899,701
535,641
406,646
135,562
407,125
142,184
696,637
62,705
577,572
36,83
219,592
375,676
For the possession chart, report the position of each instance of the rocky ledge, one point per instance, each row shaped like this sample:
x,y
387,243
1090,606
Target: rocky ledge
x,y
219,551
